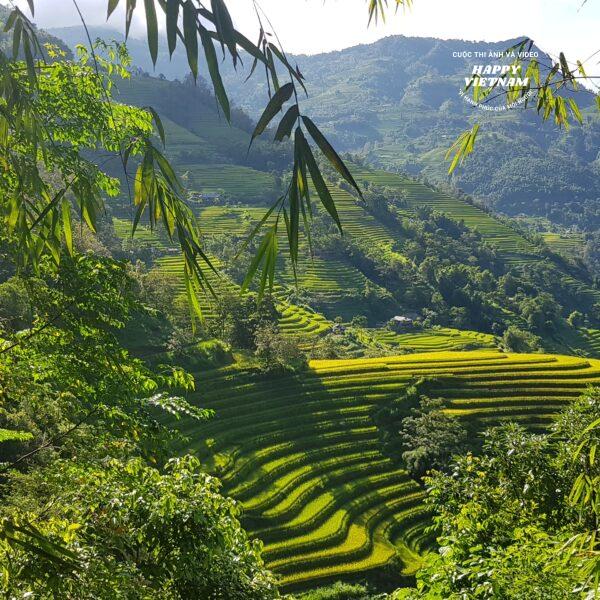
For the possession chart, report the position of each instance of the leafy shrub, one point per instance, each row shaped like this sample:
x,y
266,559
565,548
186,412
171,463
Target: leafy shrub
x,y
338,591
517,340
131,531
276,352
430,438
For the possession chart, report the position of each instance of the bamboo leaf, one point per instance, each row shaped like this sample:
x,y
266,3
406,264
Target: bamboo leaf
x,y
152,28
130,8
295,73
273,107
272,69
17,34
224,27
215,75
52,204
66,219
167,170
10,22
294,221
258,227
462,147
287,123
317,178
328,150
172,10
575,110
261,253
158,123
112,5
564,67
190,36
193,299
29,59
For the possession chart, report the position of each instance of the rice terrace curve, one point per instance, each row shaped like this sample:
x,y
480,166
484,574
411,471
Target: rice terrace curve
x,y
301,454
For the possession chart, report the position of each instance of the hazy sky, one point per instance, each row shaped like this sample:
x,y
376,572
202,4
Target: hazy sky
x,y
312,26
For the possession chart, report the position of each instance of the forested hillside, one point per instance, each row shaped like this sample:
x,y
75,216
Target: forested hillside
x,y
407,247
396,102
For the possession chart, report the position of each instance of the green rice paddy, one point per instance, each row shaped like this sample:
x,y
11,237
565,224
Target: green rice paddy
x,y
300,452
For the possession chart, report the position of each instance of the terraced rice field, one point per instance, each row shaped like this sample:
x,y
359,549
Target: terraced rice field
x,y
210,131
328,278
238,182
295,320
509,241
434,339
593,339
301,455
515,249
144,237
357,222
567,244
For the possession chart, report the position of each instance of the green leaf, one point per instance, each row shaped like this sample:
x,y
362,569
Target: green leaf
x,y
7,435
575,110
287,123
328,150
215,75
273,107
224,27
158,123
295,73
294,221
66,218
317,178
272,70
192,297
112,5
564,67
29,59
11,20
172,18
152,27
190,36
31,7
17,34
258,227
462,147
167,170
130,8
51,205
263,254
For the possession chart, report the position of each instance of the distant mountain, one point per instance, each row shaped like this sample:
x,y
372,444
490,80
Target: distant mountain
x,y
43,36
177,68
397,102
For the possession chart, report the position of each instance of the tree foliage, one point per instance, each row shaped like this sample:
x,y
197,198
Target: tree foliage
x,y
128,530
521,519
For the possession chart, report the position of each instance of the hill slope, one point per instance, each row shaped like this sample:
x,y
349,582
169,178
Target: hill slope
x,y
397,101
301,452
